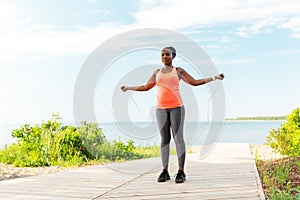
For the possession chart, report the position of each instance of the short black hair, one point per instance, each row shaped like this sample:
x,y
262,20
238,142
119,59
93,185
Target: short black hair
x,y
172,49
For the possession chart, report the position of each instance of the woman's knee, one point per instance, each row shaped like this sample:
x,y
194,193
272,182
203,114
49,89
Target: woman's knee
x,y
165,141
178,139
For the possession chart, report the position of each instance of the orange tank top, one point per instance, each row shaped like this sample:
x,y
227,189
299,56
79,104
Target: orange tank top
x,y
168,95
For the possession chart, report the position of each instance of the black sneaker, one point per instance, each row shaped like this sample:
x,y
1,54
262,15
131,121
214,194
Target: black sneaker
x,y
164,176
180,177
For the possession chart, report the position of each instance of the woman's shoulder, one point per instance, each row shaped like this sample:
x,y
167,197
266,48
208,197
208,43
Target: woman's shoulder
x,y
156,71
179,69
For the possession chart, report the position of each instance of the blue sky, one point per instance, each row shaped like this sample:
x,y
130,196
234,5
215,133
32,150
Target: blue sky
x,y
45,43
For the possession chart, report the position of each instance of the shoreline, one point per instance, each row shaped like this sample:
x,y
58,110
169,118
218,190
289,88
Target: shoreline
x,y
253,120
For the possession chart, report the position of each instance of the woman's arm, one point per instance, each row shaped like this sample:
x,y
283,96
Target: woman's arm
x,y
150,84
186,77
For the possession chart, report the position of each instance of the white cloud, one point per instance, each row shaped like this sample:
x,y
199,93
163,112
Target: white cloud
x,y
175,14
261,26
12,17
147,4
19,34
92,1
29,40
22,39
9,11
294,25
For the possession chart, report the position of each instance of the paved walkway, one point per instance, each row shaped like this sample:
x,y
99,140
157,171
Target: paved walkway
x,y
228,172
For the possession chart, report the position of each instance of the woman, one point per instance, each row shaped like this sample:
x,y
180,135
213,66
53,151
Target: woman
x,y
170,110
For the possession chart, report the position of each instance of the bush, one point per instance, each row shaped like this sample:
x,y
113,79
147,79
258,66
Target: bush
x,y
47,144
286,139
52,143
92,137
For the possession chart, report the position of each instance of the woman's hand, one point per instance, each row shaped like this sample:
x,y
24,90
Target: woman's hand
x,y
220,76
124,88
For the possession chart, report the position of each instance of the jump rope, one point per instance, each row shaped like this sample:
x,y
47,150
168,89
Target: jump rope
x,y
208,101
208,110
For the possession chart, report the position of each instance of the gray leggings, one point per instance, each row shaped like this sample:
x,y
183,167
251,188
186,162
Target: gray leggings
x,y
168,119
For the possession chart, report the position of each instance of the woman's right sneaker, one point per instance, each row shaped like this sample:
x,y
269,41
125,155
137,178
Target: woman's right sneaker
x,y
164,176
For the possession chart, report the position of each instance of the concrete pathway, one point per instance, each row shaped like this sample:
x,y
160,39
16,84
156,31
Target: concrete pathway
x,y
229,172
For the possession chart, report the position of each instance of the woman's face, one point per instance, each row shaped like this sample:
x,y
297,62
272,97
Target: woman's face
x,y
166,57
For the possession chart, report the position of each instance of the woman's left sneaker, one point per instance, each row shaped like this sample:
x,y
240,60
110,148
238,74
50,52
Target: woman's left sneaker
x,y
180,177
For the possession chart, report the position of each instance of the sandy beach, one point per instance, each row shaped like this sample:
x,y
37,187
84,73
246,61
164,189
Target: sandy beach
x,y
12,172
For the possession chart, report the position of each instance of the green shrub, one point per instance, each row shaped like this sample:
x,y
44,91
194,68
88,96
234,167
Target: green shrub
x,y
117,151
47,144
92,138
52,143
286,139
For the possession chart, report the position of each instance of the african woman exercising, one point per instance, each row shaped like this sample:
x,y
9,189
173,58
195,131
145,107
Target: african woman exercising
x,y
170,109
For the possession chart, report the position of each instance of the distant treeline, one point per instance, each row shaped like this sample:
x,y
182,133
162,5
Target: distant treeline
x,y
259,118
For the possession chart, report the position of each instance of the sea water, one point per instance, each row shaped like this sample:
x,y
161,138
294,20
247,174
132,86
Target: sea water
x,y
195,133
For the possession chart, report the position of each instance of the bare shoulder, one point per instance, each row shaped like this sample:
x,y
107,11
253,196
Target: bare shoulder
x,y
180,70
156,71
